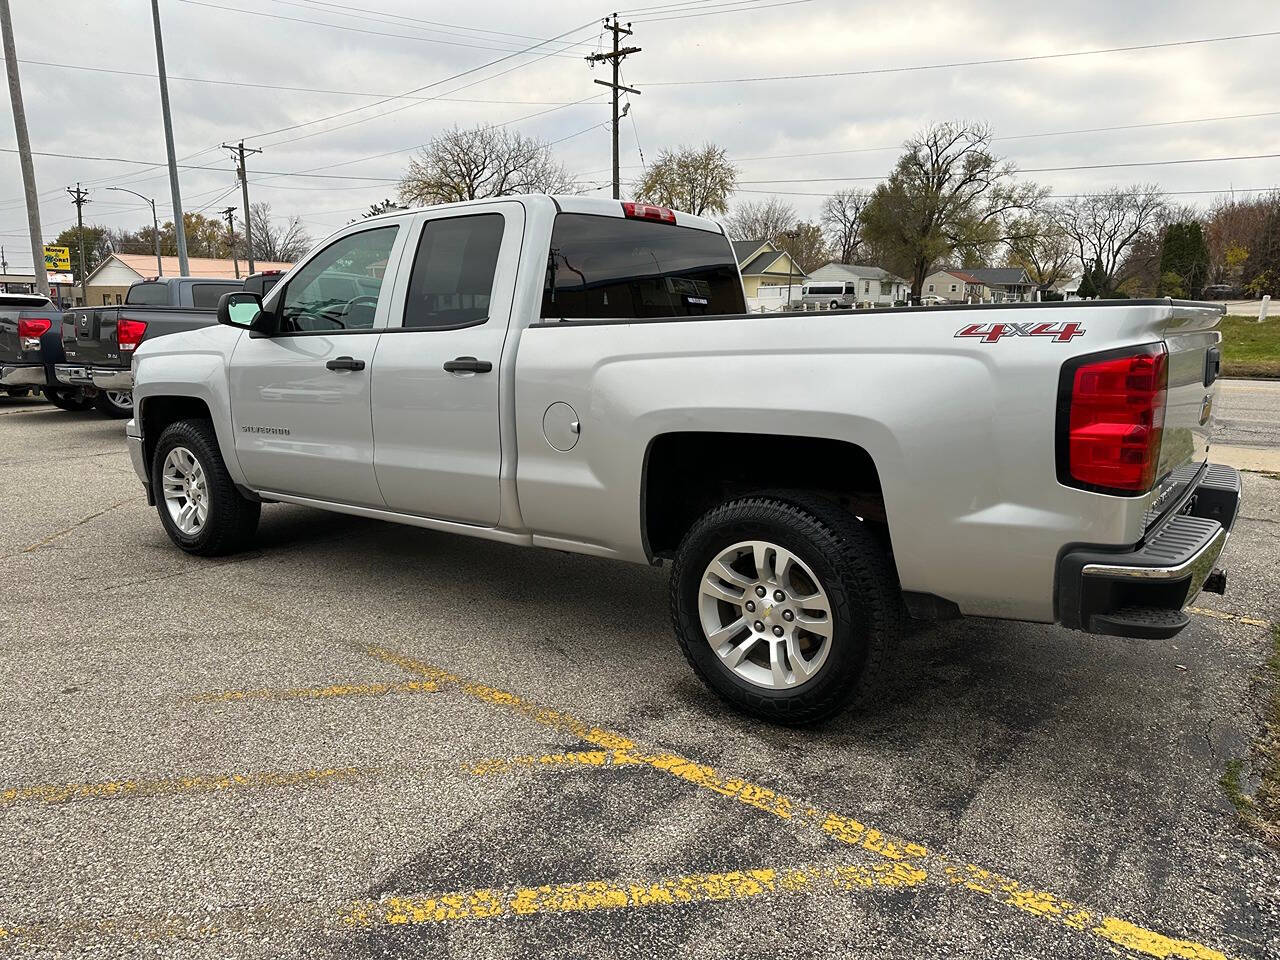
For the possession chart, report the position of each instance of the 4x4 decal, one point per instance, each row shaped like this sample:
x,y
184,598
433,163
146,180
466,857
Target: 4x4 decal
x,y
991,332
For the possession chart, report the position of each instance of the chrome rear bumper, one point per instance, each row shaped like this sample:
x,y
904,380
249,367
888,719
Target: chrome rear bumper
x,y
1140,591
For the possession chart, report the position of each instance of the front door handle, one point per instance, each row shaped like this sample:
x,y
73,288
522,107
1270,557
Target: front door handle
x,y
345,363
467,365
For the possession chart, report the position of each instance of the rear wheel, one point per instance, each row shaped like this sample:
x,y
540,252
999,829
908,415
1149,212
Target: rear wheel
x,y
199,505
786,606
68,398
115,403
18,391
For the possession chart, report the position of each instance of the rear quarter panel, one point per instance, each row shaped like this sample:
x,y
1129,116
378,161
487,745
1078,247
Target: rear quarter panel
x,y
962,431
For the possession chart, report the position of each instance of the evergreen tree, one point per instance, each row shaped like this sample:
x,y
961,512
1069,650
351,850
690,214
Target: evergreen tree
x,y
1184,260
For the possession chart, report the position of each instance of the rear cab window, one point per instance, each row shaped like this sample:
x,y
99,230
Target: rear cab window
x,y
602,267
148,294
207,295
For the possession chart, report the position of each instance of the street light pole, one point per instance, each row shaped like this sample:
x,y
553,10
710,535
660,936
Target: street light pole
x,y
155,226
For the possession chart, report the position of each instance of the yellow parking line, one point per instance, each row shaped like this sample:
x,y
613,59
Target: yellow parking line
x,y
56,793
596,895
315,693
1039,903
560,761
1219,615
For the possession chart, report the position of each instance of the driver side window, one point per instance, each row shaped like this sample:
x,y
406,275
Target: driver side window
x,y
338,289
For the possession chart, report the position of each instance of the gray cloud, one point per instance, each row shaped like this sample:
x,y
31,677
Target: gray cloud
x,y
72,111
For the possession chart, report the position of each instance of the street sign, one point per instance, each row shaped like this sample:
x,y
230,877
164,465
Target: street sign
x,y
57,258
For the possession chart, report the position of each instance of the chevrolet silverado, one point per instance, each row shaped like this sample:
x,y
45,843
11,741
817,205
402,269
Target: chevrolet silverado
x,y
580,374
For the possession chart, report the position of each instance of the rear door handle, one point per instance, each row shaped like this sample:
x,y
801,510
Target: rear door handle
x,y
467,365
345,363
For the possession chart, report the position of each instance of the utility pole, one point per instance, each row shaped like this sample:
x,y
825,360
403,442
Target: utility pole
x,y
179,228
24,149
615,58
230,214
238,151
80,198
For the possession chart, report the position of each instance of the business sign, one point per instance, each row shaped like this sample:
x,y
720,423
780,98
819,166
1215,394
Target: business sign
x,y
57,258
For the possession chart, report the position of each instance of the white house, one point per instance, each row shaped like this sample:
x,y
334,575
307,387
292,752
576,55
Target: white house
x,y
877,287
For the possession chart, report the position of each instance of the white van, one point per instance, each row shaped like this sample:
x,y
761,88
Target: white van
x,y
831,293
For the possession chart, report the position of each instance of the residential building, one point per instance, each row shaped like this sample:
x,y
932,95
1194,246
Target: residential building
x,y
877,287
762,265
1007,284
111,279
955,286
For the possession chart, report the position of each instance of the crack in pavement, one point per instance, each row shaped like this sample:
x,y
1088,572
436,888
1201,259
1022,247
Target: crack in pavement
x,y
65,530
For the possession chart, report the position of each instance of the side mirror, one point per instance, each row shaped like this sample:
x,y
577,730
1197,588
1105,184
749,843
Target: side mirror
x,y
243,310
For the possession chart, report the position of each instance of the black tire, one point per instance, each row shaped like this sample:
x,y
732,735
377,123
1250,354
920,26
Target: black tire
x,y
835,305
18,392
853,568
232,519
68,398
108,406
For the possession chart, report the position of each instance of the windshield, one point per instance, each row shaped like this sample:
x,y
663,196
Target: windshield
x,y
610,267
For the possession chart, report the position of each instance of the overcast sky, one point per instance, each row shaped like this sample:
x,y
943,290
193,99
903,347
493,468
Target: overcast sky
x,y
282,43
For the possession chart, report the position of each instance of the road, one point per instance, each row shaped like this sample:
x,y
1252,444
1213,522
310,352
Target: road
x,y
1247,427
366,741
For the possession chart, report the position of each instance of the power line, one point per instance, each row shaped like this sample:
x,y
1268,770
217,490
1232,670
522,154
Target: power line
x,y
195,166
427,86
736,9
966,63
1060,196
274,86
348,29
1086,166
435,23
1019,136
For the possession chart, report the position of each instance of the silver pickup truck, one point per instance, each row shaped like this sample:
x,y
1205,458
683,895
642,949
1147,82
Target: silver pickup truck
x,y
580,374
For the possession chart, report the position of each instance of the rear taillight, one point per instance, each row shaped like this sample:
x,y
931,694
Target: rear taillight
x,y
647,211
1110,419
129,333
31,329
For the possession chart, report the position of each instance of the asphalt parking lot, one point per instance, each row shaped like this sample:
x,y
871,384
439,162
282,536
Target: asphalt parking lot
x,y
362,740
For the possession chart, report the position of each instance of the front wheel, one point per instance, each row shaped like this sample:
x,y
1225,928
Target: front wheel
x,y
786,606
199,505
117,404
835,304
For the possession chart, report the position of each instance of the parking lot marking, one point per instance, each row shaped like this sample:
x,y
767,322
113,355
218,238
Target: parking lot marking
x,y
582,758
1038,903
1219,615
593,895
56,793
316,693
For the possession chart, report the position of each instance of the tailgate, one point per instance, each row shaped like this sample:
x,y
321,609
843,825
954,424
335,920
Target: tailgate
x,y
89,336
1193,341
10,312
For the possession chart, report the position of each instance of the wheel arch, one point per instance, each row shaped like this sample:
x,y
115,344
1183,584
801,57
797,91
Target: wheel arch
x,y
685,474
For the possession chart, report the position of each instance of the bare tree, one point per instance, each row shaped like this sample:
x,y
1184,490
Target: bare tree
x,y
1105,227
696,180
1038,244
843,215
274,242
760,219
947,196
483,161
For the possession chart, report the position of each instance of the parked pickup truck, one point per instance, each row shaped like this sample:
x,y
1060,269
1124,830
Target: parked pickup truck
x,y
99,341
30,346
580,374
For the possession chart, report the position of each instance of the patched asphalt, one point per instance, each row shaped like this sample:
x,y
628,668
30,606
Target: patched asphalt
x,y
362,740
